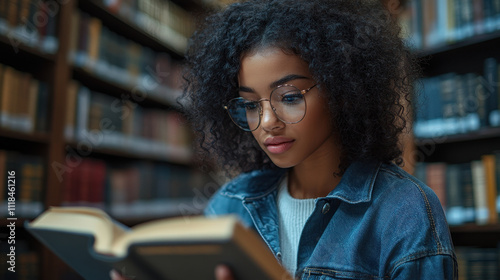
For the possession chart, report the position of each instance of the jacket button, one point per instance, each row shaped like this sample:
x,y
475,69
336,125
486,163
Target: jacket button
x,y
326,208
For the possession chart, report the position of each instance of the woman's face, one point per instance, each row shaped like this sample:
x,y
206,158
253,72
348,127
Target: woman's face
x,y
287,145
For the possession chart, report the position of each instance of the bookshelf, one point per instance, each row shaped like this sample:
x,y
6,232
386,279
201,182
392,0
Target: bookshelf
x,y
458,127
52,43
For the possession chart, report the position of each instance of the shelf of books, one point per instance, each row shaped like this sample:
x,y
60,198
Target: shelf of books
x,y
457,124
89,117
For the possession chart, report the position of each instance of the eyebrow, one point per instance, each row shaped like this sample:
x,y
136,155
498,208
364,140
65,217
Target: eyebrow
x,y
276,83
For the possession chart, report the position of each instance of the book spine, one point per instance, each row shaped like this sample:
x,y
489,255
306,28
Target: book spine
x,y
468,190
479,187
71,98
34,95
9,79
42,120
436,179
491,187
491,84
497,179
82,112
454,195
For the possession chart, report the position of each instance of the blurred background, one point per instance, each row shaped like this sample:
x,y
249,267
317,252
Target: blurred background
x,y
88,117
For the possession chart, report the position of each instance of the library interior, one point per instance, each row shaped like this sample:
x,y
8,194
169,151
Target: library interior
x,y
89,117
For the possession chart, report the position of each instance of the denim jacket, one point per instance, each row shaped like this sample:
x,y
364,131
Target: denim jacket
x,y
378,223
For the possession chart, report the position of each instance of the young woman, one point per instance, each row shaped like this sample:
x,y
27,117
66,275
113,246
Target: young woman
x,y
303,103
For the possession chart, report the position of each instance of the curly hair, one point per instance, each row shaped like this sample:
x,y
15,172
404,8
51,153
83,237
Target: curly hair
x,y
354,52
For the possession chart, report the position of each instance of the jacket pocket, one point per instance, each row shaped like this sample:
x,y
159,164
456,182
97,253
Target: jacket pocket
x,y
313,273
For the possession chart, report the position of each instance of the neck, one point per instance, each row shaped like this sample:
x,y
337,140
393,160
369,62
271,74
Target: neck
x,y
315,176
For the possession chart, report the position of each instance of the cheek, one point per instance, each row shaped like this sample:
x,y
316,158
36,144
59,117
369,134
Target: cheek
x,y
317,119
256,134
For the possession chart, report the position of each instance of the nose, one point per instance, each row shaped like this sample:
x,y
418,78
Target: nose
x,y
269,119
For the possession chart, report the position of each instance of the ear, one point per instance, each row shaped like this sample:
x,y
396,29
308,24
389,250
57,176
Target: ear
x,y
393,6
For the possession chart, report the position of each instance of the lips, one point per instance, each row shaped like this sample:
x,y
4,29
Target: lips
x,y
278,145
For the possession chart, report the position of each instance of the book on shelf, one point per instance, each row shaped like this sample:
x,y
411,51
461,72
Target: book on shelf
x,y
164,20
435,178
491,185
437,23
136,189
454,104
23,101
116,123
93,244
469,192
129,64
30,22
480,199
478,263
29,177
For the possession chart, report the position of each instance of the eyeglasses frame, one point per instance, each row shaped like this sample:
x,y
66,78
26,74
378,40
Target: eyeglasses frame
x,y
303,91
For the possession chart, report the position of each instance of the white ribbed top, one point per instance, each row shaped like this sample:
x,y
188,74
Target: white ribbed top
x,y
293,214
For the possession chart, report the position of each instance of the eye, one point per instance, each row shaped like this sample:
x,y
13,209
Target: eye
x,y
250,106
292,98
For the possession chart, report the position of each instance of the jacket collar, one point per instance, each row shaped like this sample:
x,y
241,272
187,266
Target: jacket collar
x,y
356,185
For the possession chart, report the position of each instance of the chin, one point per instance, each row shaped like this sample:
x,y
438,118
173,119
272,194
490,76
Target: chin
x,y
282,163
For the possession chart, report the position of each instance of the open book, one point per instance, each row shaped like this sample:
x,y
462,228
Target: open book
x,y
90,242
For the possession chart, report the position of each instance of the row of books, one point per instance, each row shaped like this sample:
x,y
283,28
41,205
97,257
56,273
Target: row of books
x,y
23,101
451,103
26,264
28,183
469,192
137,190
162,19
30,22
103,121
114,58
478,263
431,23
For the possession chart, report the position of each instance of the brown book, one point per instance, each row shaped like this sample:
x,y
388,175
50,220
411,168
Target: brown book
x,y
26,188
34,90
70,116
8,89
95,26
12,15
23,103
491,187
24,11
436,179
176,248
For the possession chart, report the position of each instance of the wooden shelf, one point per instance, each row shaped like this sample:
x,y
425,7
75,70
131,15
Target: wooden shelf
x,y
481,134
181,157
7,48
37,137
478,42
476,235
473,228
460,148
154,98
126,27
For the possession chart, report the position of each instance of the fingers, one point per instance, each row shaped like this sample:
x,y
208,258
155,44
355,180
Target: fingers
x,y
222,272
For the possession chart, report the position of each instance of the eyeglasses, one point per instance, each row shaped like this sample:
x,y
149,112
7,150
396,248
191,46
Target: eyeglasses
x,y
287,101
